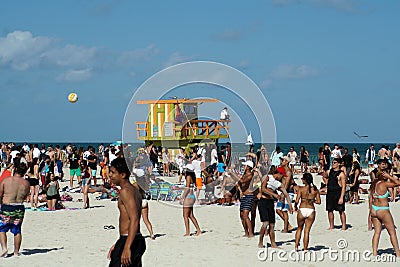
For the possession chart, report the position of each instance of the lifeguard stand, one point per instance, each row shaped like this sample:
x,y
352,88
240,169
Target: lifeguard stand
x,y
175,123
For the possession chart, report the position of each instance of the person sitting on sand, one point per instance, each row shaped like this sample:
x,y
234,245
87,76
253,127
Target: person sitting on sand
x,y
379,206
13,191
309,195
188,198
268,192
106,190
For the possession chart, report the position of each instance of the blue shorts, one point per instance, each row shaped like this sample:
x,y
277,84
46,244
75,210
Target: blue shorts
x,y
11,217
283,205
59,166
371,162
94,172
246,202
85,181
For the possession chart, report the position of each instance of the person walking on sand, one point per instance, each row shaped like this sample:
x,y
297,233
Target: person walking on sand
x,y
33,180
379,206
145,209
292,158
129,248
13,191
268,192
74,160
303,159
246,197
335,180
370,157
188,198
282,206
86,174
354,182
308,194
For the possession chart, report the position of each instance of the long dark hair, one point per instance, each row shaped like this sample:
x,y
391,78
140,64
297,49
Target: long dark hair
x,y
192,175
310,181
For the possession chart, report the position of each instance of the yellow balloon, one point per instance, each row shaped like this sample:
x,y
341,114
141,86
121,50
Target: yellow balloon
x,y
72,97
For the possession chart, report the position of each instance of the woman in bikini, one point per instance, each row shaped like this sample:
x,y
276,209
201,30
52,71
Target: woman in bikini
x,y
188,198
309,196
33,180
145,209
379,207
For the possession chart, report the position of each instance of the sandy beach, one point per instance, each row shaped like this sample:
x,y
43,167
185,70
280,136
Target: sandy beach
x,y
76,237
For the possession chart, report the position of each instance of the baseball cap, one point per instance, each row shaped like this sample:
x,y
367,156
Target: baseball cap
x,y
248,163
281,170
285,158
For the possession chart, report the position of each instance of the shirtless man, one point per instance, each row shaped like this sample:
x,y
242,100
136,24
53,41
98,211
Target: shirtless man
x,y
13,191
128,250
247,198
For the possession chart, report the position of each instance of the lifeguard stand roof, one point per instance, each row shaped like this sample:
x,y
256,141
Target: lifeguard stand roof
x,y
177,101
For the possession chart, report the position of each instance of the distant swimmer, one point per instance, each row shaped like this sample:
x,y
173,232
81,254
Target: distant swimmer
x,y
360,136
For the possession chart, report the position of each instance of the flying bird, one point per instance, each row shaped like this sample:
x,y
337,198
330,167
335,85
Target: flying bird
x,y
360,136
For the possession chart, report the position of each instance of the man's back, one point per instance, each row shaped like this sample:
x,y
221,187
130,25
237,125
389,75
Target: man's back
x,y
13,190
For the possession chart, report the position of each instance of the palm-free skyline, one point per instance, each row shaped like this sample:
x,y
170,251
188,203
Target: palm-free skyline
x,y
326,67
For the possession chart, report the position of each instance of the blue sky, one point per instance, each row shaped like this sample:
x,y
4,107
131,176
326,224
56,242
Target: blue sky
x,y
326,67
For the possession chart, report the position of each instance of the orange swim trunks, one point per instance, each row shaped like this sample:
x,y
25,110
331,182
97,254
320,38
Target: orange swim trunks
x,y
199,183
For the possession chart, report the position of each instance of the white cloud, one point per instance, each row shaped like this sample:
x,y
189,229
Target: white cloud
x,y
342,5
290,71
21,50
130,58
71,56
75,75
176,58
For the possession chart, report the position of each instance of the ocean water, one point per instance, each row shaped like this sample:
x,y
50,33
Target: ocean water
x,y
240,149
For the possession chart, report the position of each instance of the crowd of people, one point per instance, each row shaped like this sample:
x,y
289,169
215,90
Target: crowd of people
x,y
259,181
